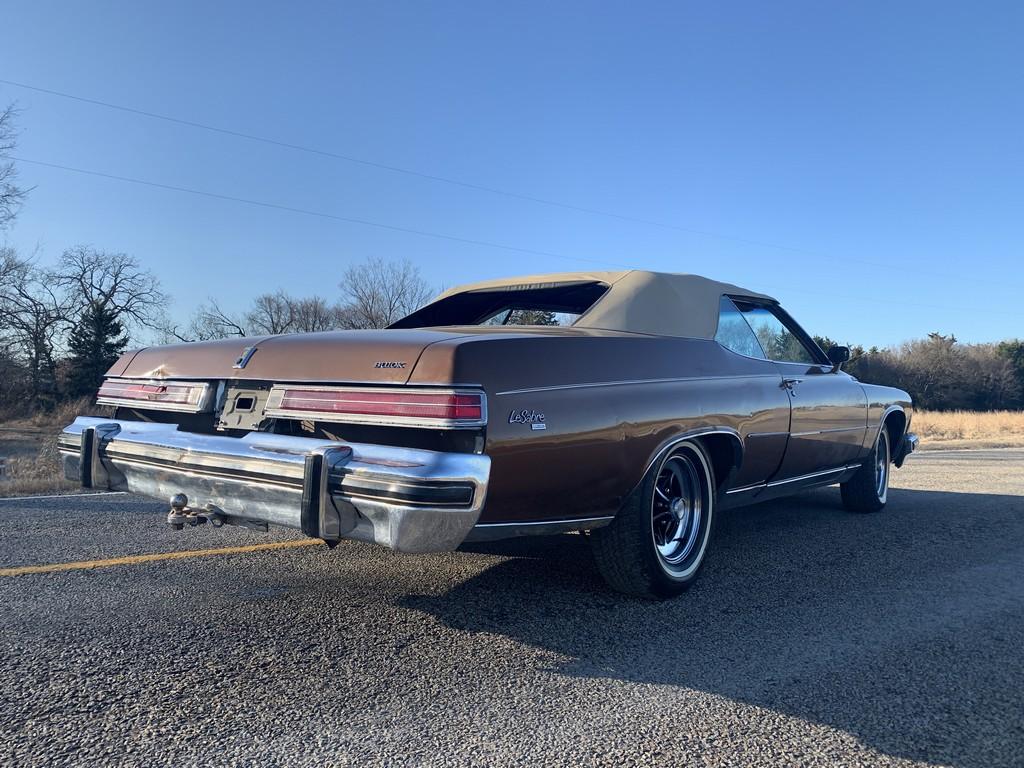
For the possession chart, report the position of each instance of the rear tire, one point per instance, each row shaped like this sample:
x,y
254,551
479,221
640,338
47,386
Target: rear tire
x,y
656,544
868,490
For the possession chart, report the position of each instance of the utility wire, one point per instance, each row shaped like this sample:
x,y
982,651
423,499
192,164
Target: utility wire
x,y
470,185
452,238
351,158
321,214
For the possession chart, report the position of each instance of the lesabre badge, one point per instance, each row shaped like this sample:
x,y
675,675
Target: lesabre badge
x,y
527,416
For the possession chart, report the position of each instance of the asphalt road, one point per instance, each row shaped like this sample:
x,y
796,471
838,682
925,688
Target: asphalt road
x,y
814,637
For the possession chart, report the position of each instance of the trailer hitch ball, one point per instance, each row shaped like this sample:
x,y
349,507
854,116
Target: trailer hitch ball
x,y
182,514
178,515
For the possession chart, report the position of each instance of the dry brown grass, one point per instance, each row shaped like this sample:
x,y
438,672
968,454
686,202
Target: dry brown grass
x,y
67,412
989,427
39,473
29,445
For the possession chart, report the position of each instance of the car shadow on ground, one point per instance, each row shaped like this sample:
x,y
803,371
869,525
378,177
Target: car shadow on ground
x,y
902,628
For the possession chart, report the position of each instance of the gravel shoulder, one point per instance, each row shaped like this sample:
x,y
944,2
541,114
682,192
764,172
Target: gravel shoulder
x,y
814,637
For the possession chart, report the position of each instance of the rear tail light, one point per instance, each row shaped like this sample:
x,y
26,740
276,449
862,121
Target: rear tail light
x,y
443,409
191,397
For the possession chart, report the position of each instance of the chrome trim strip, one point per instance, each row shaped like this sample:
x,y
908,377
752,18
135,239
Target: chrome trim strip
x,y
596,384
236,378
245,357
565,521
746,488
798,478
144,463
495,531
460,495
699,432
812,475
829,431
274,409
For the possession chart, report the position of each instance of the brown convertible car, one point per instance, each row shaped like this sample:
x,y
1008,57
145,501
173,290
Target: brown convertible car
x,y
631,405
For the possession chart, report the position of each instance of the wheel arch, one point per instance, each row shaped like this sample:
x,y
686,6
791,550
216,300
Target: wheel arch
x,y
895,421
723,445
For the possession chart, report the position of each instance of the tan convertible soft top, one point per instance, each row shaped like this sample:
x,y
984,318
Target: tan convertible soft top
x,y
660,303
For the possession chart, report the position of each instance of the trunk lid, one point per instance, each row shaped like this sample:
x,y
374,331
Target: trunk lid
x,y
354,357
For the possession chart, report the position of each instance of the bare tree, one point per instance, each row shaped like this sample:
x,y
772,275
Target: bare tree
x,y
274,313
12,271
376,293
88,297
34,313
213,322
9,264
314,314
11,195
210,321
271,313
110,281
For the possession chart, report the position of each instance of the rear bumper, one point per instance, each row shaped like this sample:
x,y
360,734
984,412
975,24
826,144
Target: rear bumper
x,y
406,499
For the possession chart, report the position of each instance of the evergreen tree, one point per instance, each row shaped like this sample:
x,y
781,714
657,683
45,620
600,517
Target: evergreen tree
x,y
532,317
95,344
1013,351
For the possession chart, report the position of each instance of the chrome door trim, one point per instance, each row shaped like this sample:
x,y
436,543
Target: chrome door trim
x,y
745,488
812,475
627,382
797,479
828,431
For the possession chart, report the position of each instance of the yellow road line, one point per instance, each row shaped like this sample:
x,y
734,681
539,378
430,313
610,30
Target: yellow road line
x,y
155,557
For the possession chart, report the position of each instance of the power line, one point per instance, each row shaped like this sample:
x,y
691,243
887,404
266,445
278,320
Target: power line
x,y
441,236
469,185
353,159
321,214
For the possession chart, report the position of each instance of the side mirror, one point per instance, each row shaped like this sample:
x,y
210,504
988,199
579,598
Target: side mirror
x,y
837,356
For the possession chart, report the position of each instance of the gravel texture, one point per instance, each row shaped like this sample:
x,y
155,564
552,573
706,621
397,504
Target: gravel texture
x,y
813,637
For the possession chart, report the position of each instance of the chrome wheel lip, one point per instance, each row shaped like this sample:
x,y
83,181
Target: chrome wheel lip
x,y
680,540
882,466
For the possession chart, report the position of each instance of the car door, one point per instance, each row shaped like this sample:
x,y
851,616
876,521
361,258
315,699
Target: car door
x,y
764,428
828,417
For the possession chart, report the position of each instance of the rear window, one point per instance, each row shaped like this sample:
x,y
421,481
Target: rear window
x,y
545,304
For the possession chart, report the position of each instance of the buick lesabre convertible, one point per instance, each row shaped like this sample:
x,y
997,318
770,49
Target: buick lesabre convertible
x,y
633,406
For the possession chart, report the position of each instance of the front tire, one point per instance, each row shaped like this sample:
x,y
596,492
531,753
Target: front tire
x,y
868,490
656,544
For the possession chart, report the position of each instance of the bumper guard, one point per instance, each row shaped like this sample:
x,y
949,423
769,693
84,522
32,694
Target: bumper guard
x,y
907,446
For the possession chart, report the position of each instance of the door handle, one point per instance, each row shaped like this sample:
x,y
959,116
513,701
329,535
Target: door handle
x,y
790,385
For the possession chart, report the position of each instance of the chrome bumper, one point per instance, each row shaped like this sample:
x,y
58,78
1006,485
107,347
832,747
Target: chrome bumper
x,y
906,447
407,499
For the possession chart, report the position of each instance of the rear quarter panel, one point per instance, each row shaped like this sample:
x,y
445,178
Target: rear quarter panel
x,y
609,403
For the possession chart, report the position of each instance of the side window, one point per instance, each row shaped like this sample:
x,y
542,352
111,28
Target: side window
x,y
778,342
734,333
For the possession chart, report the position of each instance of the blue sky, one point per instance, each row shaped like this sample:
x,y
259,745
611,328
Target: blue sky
x,y
864,162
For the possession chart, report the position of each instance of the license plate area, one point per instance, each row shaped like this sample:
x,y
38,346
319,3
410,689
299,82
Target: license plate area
x,y
243,408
